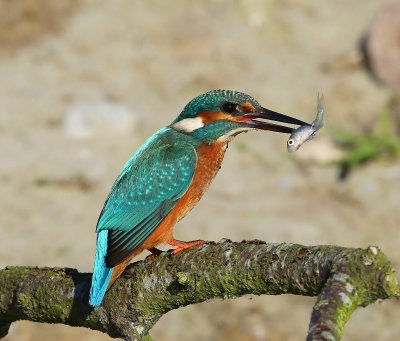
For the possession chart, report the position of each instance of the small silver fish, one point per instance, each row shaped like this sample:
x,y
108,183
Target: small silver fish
x,y
306,132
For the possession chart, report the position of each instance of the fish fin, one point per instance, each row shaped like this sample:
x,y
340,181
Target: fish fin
x,y
101,273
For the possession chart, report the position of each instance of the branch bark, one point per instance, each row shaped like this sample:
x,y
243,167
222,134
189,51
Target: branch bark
x,y
342,278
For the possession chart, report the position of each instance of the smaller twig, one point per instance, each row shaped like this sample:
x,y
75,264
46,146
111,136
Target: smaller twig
x,y
357,280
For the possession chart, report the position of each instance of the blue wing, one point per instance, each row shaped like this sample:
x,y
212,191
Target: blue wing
x,y
144,193
149,185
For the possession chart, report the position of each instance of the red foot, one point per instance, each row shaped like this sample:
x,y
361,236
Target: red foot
x,y
154,252
184,245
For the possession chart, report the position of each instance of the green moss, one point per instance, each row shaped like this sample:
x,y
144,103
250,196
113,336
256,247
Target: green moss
x,y
364,271
148,290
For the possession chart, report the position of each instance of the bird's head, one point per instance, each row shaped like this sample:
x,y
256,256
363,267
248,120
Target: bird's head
x,y
222,114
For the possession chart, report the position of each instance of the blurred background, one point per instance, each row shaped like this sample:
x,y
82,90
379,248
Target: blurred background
x,y
83,83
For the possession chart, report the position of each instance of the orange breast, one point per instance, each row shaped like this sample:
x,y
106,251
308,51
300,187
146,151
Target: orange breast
x,y
209,161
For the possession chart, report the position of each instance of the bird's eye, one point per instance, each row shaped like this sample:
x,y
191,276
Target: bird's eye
x,y
229,107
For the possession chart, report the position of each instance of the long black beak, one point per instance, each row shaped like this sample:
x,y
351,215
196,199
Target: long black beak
x,y
266,114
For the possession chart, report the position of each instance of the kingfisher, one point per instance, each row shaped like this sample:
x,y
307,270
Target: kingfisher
x,y
165,178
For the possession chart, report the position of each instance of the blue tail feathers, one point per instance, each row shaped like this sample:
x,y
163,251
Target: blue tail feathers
x,y
101,273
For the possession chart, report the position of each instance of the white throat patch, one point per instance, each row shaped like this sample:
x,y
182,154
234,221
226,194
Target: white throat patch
x,y
188,124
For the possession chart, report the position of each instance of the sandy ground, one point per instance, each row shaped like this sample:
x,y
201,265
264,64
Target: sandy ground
x,y
151,57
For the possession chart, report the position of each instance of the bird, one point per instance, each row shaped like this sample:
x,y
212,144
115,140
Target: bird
x,y
165,178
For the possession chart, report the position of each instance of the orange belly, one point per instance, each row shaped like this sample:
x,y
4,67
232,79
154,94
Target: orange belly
x,y
209,159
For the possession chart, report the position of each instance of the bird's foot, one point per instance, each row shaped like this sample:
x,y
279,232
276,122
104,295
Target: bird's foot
x,y
154,253
180,245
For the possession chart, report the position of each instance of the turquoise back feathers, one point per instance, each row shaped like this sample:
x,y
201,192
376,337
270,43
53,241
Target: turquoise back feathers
x,y
146,190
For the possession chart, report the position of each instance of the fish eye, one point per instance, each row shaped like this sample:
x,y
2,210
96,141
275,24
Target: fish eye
x,y
290,142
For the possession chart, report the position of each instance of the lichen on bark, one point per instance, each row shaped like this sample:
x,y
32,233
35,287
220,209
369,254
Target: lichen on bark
x,y
342,278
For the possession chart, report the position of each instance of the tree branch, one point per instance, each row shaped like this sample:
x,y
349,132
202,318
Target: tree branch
x,y
342,278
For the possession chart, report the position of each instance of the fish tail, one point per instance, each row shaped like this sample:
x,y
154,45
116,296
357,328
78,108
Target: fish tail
x,y
101,273
318,122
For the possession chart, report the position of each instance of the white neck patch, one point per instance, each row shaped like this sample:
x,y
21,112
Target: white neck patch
x,y
188,124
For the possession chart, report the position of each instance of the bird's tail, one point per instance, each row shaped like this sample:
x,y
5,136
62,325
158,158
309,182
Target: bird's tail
x,y
101,273
104,277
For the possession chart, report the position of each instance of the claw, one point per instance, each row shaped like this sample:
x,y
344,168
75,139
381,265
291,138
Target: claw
x,y
184,245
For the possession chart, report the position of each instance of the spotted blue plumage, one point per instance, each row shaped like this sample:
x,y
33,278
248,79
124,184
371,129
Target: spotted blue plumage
x,y
149,185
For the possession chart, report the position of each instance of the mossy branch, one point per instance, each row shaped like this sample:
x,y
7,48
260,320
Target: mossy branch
x,y
342,278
